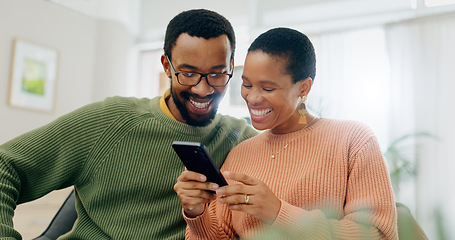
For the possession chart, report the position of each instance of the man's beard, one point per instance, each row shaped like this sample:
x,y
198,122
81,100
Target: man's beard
x,y
184,111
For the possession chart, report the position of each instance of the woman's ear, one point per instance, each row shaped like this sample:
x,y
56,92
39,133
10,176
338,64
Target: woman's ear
x,y
305,86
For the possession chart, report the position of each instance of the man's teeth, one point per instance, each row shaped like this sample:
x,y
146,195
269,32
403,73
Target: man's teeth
x,y
260,112
199,104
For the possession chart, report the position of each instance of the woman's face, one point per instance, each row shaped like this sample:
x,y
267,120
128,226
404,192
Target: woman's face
x,y
270,93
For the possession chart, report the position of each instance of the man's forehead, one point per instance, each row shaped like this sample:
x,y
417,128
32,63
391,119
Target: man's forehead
x,y
196,43
194,49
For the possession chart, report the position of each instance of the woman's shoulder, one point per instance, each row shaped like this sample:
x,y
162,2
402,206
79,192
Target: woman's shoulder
x,y
344,125
349,131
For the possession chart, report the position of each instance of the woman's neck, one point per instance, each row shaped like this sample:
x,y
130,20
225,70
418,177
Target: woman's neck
x,y
296,127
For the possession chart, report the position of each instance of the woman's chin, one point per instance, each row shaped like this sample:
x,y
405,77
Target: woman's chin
x,y
260,126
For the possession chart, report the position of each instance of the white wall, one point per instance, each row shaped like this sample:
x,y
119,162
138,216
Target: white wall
x,y
112,60
72,34
93,56
122,11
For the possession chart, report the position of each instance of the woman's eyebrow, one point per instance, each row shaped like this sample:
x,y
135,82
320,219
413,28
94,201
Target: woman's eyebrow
x,y
268,82
262,81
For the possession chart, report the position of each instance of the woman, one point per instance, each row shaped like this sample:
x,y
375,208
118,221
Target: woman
x,y
306,177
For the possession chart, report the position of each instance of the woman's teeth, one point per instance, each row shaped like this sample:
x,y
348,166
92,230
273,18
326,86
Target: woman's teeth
x,y
260,112
199,104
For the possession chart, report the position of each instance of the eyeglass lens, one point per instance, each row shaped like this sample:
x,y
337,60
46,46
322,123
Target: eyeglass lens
x,y
213,79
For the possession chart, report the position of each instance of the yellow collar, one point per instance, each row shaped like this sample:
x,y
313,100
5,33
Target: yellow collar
x,y
163,105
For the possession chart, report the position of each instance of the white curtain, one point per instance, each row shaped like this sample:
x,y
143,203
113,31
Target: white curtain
x,y
399,80
422,61
351,79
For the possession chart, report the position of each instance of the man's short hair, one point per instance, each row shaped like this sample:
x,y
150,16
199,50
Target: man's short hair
x,y
198,23
293,46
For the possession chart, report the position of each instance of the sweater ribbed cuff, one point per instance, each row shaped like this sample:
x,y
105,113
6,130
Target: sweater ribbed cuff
x,y
196,224
288,215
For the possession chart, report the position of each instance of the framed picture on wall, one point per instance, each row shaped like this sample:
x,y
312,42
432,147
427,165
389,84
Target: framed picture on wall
x,y
33,76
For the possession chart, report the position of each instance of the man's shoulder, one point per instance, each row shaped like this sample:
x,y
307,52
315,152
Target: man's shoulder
x,y
227,121
108,110
239,127
118,105
227,118
128,102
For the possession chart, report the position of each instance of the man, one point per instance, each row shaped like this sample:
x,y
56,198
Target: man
x,y
117,153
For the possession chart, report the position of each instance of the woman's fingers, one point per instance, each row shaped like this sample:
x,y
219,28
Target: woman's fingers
x,y
251,196
243,199
194,192
241,177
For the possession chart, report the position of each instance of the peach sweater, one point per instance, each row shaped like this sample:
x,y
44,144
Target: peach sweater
x,y
332,182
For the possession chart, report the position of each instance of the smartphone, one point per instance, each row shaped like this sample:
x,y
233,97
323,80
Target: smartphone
x,y
196,158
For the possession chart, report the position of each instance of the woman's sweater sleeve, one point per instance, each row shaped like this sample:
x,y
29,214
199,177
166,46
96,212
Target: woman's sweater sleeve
x,y
210,225
369,207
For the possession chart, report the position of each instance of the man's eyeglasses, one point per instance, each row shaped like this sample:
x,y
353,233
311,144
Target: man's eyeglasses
x,y
193,78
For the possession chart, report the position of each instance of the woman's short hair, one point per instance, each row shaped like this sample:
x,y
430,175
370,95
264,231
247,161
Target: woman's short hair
x,y
291,45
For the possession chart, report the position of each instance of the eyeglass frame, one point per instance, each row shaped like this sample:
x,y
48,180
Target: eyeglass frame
x,y
200,78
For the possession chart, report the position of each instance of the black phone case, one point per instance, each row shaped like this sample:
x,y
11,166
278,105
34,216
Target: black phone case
x,y
196,158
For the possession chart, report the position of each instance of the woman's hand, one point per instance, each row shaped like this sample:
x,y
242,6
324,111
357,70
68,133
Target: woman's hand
x,y
194,193
252,197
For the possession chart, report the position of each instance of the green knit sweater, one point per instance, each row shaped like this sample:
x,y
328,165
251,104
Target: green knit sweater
x,y
117,153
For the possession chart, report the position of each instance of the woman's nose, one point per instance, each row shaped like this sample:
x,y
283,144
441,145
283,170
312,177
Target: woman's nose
x,y
253,96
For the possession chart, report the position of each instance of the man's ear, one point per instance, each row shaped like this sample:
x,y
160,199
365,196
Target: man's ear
x,y
166,66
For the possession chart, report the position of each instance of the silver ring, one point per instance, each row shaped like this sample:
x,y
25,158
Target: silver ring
x,y
247,198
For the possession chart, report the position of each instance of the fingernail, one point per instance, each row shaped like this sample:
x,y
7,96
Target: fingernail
x,y
214,186
226,173
202,178
218,191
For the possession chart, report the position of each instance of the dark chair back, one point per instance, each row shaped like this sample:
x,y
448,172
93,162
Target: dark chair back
x,y
408,227
63,220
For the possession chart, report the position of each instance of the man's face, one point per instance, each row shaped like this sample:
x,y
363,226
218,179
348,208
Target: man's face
x,y
197,105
